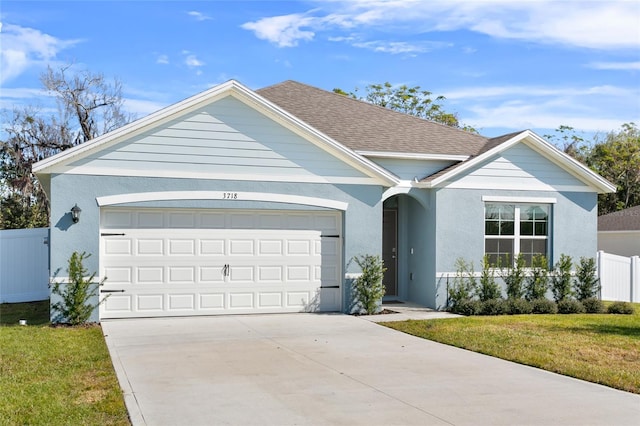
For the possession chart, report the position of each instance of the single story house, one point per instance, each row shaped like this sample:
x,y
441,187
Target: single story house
x,y
619,232
242,201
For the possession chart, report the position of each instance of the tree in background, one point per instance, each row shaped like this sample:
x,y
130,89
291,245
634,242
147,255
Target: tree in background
x,y
614,156
88,106
408,100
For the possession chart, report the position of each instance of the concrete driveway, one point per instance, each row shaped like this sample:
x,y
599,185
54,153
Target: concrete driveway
x,y
310,369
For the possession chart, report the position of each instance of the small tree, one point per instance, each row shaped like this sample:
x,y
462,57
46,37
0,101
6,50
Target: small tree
x,y
368,289
75,307
513,277
488,288
586,283
561,278
464,284
537,282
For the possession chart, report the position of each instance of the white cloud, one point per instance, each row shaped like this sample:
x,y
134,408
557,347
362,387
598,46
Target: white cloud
x,y
162,59
535,91
398,47
284,31
199,16
141,107
191,60
616,66
586,24
23,48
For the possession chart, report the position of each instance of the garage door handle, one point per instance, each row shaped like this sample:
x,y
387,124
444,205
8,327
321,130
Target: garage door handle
x,y
225,270
111,291
111,234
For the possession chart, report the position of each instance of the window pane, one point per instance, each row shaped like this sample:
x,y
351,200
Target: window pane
x,y
491,246
541,213
492,228
541,228
492,211
506,228
526,228
507,212
540,247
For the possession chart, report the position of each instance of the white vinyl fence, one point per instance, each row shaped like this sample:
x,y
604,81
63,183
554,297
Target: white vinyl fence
x,y
24,265
619,277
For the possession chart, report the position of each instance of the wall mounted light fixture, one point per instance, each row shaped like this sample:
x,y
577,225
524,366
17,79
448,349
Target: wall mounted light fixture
x,y
75,213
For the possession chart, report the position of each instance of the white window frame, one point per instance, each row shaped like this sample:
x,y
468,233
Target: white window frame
x,y
518,203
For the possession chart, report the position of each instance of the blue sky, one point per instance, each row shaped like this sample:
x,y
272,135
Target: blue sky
x,y
502,65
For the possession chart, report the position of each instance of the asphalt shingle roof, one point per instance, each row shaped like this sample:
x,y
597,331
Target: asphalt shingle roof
x,y
362,126
623,220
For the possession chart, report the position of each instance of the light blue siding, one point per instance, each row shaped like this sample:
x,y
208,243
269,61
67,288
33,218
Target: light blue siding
x,y
223,138
519,167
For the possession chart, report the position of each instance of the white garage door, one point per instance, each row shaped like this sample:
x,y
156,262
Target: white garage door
x,y
174,262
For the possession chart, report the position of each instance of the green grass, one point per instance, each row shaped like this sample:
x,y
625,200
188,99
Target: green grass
x,y
55,375
600,348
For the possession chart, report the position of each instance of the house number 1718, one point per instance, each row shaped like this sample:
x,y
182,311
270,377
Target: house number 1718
x,y
229,195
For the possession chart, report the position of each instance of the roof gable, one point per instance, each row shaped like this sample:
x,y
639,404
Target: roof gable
x,y
114,144
497,146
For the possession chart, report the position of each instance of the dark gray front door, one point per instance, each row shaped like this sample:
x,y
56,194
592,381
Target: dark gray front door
x,y
390,250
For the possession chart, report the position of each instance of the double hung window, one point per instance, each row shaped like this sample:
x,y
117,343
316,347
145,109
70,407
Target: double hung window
x,y
513,229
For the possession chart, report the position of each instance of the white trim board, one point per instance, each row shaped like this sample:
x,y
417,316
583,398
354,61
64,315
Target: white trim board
x,y
508,199
230,196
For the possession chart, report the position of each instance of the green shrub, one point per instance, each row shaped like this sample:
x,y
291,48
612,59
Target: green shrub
x,y
467,307
75,307
513,277
368,289
586,284
464,284
621,308
593,305
570,306
561,278
543,306
493,307
518,307
537,282
488,288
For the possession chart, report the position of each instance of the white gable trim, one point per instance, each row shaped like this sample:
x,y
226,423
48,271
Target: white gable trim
x,y
243,94
229,196
535,142
508,199
412,156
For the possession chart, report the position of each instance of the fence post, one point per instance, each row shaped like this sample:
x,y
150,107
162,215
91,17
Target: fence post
x,y
599,266
634,280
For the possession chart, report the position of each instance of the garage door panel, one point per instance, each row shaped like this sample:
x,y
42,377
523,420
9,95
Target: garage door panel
x,y
150,302
181,302
212,247
241,247
182,247
240,300
150,275
150,247
270,300
149,219
201,262
212,301
113,247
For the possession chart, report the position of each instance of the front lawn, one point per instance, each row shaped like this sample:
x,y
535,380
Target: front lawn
x,y
600,348
55,375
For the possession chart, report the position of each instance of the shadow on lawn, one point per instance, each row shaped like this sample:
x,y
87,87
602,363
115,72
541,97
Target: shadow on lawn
x,y
621,330
36,313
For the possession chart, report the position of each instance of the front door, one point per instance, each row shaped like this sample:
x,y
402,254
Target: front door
x,y
390,250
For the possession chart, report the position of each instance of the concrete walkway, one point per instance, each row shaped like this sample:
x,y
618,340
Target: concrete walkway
x,y
323,369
